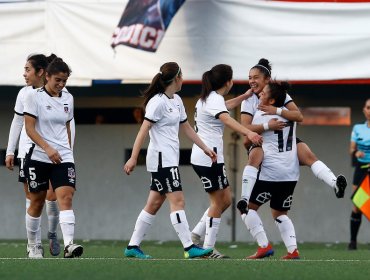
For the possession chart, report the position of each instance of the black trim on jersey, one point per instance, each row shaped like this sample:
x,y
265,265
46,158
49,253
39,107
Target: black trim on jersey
x,y
160,160
69,120
288,102
168,96
246,113
218,114
44,89
149,120
19,114
184,121
28,114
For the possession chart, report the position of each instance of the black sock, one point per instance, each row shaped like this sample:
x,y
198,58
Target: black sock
x,y
355,225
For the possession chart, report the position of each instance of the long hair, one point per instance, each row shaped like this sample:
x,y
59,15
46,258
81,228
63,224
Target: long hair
x,y
215,79
166,75
278,91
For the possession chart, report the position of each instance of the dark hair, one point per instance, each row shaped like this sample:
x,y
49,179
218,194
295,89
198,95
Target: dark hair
x,y
40,61
278,91
215,79
264,66
167,73
56,66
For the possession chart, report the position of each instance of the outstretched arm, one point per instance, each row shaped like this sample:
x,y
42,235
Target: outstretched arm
x,y
234,102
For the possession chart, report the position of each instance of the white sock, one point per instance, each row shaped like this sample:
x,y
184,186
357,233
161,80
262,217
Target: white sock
x,y
323,172
200,228
248,181
143,223
181,226
32,226
255,227
287,232
38,232
28,203
67,225
213,224
53,215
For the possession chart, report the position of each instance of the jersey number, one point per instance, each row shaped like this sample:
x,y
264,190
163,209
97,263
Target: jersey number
x,y
175,173
289,141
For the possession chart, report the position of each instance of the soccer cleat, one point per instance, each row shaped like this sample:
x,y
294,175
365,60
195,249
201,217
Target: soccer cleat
x,y
136,252
291,256
340,186
197,252
35,251
242,206
195,238
217,255
73,251
262,253
54,244
352,246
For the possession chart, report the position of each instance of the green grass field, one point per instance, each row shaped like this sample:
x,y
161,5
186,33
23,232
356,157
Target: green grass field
x,y
104,260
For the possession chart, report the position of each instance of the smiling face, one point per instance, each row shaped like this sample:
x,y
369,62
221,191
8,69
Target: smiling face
x,y
257,80
265,96
31,77
56,82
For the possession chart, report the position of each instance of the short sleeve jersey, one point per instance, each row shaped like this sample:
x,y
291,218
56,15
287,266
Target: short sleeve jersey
x,y
249,106
24,141
280,162
166,114
209,128
51,114
361,136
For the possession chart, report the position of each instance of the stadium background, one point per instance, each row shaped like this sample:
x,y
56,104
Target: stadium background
x,y
107,201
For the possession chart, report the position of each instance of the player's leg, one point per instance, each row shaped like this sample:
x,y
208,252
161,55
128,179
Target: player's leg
x,y
199,230
320,170
143,223
52,212
249,177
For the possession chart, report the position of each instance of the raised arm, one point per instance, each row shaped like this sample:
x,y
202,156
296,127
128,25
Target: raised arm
x,y
236,101
140,138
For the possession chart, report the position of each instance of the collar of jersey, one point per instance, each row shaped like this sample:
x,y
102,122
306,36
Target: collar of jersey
x,y
44,88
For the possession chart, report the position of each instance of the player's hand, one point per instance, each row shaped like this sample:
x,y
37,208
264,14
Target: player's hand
x,y
211,154
248,93
274,124
53,155
359,154
9,162
255,138
268,109
130,166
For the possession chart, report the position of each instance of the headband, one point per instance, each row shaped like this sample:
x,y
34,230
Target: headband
x,y
260,65
178,72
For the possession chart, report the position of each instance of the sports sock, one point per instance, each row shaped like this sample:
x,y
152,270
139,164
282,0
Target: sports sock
x,y
181,226
200,228
255,227
248,181
321,171
32,226
53,215
38,232
67,225
355,225
212,226
143,223
287,232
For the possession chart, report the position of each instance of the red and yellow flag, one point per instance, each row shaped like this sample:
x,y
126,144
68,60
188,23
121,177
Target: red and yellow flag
x,y
361,197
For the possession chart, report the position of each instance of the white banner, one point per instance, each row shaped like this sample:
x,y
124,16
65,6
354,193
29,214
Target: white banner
x,y
304,41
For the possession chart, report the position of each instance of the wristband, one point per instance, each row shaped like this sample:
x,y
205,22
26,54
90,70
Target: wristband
x,y
266,126
278,111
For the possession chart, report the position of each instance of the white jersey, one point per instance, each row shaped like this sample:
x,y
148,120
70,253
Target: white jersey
x,y
51,114
166,114
280,162
209,128
249,105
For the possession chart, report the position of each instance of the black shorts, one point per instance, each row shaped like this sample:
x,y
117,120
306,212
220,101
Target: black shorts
x,y
21,177
166,180
360,173
38,175
213,178
280,194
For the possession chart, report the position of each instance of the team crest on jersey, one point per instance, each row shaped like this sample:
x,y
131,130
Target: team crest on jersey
x,y
66,109
48,107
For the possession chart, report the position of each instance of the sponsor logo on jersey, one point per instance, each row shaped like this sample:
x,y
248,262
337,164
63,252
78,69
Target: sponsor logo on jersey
x,y
32,184
48,107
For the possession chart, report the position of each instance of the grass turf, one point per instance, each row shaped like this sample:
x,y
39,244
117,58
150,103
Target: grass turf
x,y
104,260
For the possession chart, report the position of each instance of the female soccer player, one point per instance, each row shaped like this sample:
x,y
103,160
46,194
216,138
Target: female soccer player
x,y
48,113
211,115
360,150
34,74
259,77
278,176
164,115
